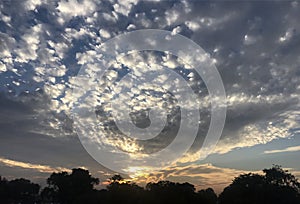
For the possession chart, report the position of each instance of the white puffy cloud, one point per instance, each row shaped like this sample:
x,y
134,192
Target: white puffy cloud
x,y
124,7
32,4
73,8
287,36
194,26
30,44
7,45
104,33
2,67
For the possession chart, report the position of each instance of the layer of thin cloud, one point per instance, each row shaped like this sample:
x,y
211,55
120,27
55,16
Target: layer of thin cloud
x,y
288,149
201,175
35,167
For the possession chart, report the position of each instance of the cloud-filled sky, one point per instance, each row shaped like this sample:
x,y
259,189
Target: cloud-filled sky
x,y
255,46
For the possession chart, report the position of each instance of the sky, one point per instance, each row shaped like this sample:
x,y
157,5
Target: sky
x,y
254,45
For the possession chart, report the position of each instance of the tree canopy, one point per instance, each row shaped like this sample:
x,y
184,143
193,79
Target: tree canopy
x,y
275,186
70,188
18,191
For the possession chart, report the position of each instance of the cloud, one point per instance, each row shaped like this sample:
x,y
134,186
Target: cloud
x,y
35,167
32,4
104,33
43,45
200,175
288,149
69,9
124,7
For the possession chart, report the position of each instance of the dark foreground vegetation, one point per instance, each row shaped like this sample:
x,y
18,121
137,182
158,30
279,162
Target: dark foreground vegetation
x,y
275,186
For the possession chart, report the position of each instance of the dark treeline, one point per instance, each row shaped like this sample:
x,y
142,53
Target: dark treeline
x,y
275,186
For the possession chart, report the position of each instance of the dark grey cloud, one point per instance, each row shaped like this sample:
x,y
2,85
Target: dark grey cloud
x,y
27,137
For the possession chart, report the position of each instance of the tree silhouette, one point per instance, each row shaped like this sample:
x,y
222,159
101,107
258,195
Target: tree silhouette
x,y
70,188
165,192
120,191
3,190
275,186
116,178
18,191
207,196
279,177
